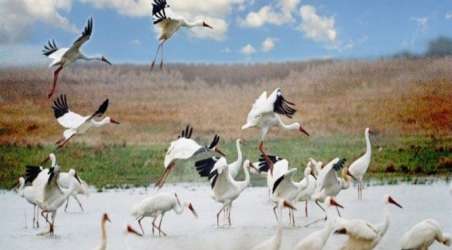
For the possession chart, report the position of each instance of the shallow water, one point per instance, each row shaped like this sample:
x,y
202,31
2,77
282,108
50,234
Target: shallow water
x,y
252,219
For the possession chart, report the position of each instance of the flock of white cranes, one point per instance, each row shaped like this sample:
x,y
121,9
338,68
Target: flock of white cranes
x,y
47,189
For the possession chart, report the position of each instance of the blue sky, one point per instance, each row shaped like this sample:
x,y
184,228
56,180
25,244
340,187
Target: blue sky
x,y
244,30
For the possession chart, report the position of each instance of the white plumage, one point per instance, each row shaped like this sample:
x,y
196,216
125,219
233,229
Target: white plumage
x,y
225,189
422,235
156,206
307,193
359,167
318,239
274,243
62,57
265,113
184,148
362,234
168,25
67,179
75,123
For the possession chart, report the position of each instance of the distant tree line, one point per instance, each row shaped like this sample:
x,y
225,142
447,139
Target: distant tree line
x,y
438,47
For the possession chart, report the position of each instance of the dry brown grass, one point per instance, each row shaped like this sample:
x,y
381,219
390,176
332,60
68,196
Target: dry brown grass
x,y
397,96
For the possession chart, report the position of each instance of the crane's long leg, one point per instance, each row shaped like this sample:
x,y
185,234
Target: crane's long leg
x,y
55,78
306,208
37,216
141,226
64,142
229,214
156,54
34,216
160,225
153,225
161,55
338,212
275,213
53,223
79,203
318,220
218,214
67,204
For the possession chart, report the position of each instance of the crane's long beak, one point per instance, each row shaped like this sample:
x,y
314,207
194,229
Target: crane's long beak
x,y
219,151
133,231
106,61
391,200
192,209
77,178
289,205
334,203
302,130
45,160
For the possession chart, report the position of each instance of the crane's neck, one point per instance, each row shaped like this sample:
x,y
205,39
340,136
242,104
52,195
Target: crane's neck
x,y
179,208
100,123
239,152
243,184
278,238
90,58
386,220
368,145
304,183
190,24
331,217
292,126
103,240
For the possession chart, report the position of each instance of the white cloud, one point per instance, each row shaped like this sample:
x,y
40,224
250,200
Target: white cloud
x,y
248,50
278,14
17,17
422,23
268,44
315,27
213,12
135,42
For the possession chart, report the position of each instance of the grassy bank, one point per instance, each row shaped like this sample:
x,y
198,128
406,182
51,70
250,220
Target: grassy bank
x,y
137,165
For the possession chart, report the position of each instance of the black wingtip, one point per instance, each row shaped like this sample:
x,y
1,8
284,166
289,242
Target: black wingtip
x,y
60,106
102,108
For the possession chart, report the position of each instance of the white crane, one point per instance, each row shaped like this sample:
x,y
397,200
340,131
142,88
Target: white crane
x,y
26,190
65,56
329,184
158,205
422,235
225,189
265,113
75,123
285,189
185,148
69,178
359,167
362,234
306,194
318,239
103,232
167,26
274,243
53,197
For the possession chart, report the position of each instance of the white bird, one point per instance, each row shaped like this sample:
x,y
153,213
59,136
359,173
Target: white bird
x,y
328,182
274,243
53,197
103,240
359,167
285,189
306,194
75,123
318,239
422,235
265,113
158,205
26,190
362,234
67,179
185,148
65,56
225,189
167,26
